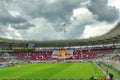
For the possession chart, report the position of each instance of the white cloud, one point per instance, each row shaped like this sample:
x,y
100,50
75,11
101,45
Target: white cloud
x,y
43,30
51,1
115,3
47,17
96,29
80,18
14,13
81,15
11,33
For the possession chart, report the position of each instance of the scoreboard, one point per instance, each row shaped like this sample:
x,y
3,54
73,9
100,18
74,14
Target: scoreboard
x,y
31,45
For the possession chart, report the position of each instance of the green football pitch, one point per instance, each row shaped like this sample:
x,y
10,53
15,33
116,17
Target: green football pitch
x,y
79,70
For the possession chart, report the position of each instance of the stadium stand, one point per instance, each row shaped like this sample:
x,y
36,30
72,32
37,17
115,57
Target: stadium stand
x,y
105,48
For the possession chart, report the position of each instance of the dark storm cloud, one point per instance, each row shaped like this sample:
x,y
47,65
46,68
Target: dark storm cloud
x,y
12,20
75,33
46,17
58,10
17,22
76,30
6,18
18,19
103,12
55,12
22,26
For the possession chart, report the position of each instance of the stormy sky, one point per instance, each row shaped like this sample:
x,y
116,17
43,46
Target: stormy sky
x,y
57,19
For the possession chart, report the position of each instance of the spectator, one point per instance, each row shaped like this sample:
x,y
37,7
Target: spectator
x,y
103,78
111,76
92,78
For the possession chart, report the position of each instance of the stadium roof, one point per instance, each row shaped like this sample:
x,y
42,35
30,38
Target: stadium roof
x,y
113,36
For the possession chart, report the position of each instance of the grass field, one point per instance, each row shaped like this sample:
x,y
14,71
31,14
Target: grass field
x,y
110,70
83,70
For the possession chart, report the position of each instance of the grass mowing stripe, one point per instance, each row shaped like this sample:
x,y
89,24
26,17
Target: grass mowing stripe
x,y
98,72
12,71
77,70
49,70
15,72
62,69
93,69
62,74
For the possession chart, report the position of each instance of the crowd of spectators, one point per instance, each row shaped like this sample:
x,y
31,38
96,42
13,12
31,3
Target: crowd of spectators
x,y
3,58
47,55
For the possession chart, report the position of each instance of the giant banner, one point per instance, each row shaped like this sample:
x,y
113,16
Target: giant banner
x,y
62,54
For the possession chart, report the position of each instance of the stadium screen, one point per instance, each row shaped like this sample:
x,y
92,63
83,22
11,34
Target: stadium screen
x,y
31,45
